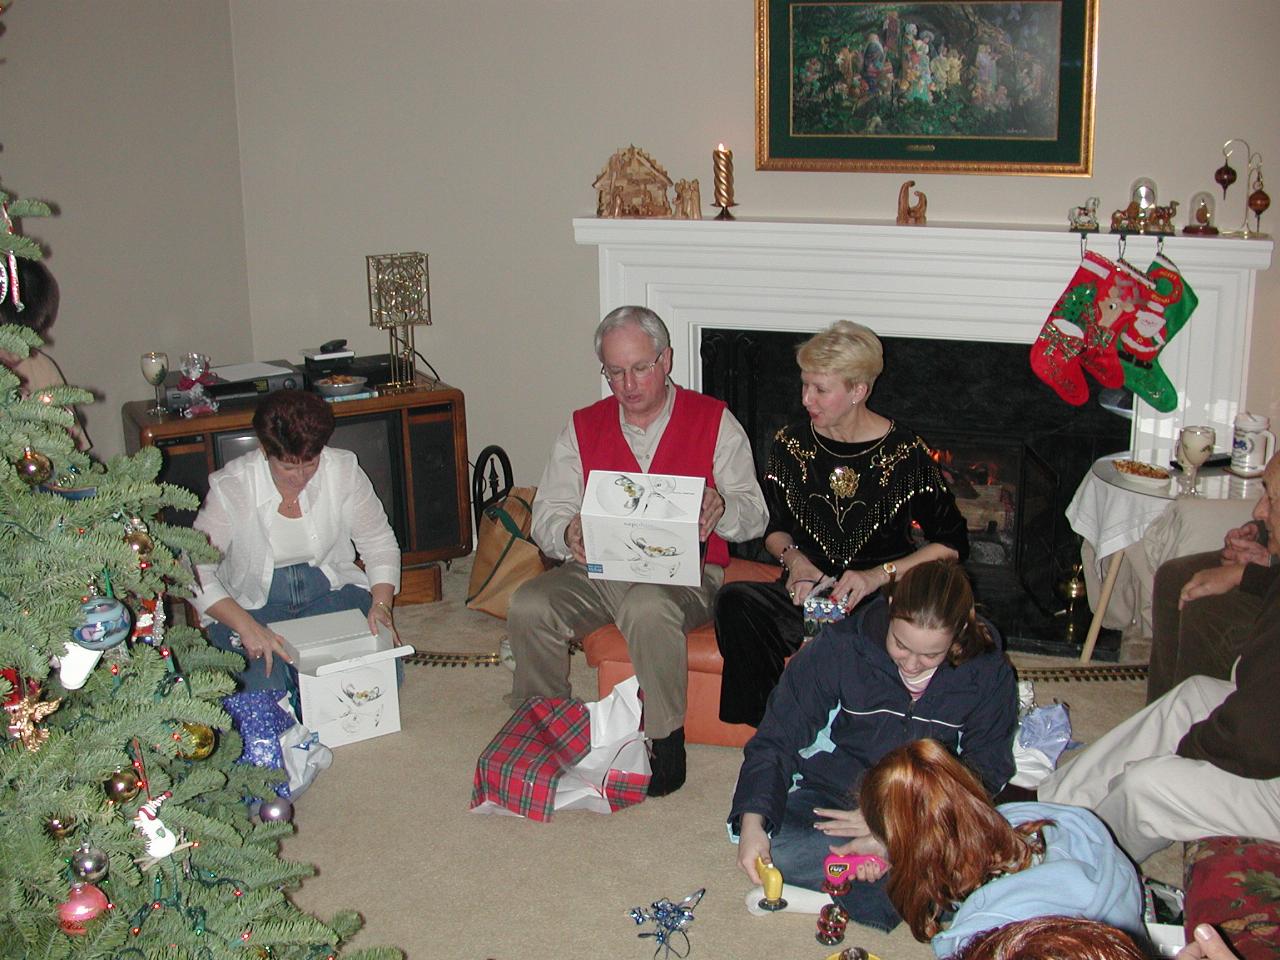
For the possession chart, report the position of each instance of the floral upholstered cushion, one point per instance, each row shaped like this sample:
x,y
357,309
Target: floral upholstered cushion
x,y
1233,883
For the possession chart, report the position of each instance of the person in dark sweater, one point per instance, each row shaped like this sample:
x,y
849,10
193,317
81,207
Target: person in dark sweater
x,y
918,665
1200,616
1204,759
855,500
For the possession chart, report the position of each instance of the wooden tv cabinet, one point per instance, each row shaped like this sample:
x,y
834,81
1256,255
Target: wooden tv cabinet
x,y
428,430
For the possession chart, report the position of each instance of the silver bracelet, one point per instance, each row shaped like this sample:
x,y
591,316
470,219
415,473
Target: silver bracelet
x,y
782,554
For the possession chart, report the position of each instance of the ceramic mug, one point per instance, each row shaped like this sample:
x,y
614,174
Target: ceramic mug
x,y
1252,445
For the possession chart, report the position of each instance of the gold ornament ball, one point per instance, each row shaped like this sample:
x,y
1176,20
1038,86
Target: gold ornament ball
x,y
202,741
60,827
122,786
140,542
33,467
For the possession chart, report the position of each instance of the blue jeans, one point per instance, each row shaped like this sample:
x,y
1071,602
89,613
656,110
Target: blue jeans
x,y
297,591
798,850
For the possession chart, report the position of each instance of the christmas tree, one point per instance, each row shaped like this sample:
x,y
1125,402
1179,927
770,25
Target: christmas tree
x,y
128,828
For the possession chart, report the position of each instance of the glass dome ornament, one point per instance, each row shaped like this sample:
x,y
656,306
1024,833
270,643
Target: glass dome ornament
x,y
1143,193
1200,215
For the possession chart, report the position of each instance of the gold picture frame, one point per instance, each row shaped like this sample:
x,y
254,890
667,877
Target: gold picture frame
x,y
987,87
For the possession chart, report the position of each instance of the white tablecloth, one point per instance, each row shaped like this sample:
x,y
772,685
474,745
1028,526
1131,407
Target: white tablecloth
x,y
1109,517
1112,511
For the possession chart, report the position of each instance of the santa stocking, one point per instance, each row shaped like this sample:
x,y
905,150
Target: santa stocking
x,y
1080,334
1139,347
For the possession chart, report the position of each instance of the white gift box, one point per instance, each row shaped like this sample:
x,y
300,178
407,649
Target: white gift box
x,y
346,675
642,527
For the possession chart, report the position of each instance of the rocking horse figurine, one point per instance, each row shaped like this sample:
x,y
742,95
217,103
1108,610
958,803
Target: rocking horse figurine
x,y
911,214
1084,219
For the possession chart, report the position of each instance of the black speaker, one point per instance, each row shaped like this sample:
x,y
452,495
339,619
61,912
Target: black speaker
x,y
433,463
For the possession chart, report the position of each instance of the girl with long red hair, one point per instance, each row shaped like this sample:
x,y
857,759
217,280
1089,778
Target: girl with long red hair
x,y
960,865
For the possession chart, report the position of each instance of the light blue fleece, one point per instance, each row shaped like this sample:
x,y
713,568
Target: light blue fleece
x,y
1083,874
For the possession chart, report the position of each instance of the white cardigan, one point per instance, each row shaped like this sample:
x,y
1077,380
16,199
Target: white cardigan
x,y
339,506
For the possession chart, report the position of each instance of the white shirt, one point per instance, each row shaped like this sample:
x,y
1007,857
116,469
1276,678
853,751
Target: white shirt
x,y
561,488
339,506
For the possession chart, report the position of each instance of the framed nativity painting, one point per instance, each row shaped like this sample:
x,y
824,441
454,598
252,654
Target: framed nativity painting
x,y
993,86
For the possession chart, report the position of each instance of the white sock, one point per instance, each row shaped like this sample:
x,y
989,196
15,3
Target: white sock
x,y
799,900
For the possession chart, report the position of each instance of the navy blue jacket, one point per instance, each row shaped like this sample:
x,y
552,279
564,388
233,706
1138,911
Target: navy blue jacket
x,y
841,706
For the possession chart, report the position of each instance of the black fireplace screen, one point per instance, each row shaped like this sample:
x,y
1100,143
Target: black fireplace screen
x,y
1013,452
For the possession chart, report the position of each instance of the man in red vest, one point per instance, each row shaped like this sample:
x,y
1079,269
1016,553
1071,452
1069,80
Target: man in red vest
x,y
648,425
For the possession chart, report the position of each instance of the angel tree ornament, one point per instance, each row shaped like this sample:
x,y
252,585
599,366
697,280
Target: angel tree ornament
x,y
25,713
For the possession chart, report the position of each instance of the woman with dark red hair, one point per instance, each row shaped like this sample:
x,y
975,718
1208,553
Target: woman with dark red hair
x,y
953,854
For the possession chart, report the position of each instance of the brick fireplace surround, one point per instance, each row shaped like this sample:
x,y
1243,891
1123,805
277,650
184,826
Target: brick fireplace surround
x,y
954,282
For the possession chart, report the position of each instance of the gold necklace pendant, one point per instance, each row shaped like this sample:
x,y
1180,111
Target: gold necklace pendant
x,y
843,481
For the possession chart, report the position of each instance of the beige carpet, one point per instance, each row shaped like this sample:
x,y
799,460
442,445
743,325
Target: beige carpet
x,y
389,829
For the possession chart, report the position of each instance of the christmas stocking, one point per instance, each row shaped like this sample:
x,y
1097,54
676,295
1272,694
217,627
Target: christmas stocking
x,y
1080,334
1139,347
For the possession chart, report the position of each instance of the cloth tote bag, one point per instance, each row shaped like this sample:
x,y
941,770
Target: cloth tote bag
x,y
505,555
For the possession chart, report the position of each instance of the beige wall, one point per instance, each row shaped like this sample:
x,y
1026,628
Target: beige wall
x,y
472,130
123,115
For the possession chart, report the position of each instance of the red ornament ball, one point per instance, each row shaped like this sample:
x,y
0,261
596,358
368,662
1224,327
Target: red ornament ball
x,y
84,903
1225,176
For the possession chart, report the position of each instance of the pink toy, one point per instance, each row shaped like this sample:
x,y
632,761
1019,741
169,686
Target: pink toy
x,y
840,869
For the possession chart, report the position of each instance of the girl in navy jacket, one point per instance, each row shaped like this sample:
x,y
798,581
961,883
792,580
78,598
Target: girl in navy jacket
x,y
919,665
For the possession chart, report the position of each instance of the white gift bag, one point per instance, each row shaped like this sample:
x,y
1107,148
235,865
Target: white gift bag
x,y
304,757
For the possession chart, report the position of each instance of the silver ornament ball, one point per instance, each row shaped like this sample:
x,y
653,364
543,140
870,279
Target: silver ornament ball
x,y
275,810
89,863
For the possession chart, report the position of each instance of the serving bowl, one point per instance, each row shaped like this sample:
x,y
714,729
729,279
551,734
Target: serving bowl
x,y
340,385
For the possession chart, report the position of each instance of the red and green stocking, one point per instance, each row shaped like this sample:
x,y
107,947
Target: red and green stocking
x,y
1141,343
1080,335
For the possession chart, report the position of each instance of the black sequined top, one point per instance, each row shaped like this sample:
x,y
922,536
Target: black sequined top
x,y
853,505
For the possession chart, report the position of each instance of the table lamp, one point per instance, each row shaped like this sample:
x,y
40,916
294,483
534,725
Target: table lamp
x,y
399,300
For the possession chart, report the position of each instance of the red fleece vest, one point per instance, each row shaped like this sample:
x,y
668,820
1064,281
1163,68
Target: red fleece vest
x,y
687,447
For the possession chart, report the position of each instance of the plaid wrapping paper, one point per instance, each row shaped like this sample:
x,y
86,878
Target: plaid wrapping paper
x,y
521,766
624,789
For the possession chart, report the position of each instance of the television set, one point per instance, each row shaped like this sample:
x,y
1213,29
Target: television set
x,y
412,445
373,438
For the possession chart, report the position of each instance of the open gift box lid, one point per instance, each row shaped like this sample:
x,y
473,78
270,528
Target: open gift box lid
x,y
336,642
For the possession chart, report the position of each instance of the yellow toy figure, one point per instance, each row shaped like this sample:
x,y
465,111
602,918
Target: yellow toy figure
x,y
771,879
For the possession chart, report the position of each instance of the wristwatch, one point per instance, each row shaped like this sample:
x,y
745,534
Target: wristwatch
x,y
891,569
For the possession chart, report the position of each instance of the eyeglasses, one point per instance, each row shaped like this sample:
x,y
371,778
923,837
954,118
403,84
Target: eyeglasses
x,y
639,371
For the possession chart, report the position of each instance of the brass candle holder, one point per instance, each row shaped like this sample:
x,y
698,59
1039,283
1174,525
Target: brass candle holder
x,y
722,164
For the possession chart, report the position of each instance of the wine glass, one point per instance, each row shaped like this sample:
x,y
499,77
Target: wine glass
x,y
1195,446
155,367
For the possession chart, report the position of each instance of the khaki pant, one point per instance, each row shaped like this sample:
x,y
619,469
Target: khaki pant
x,y
1149,796
564,604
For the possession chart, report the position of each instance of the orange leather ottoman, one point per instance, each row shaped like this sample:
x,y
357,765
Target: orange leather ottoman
x,y
607,652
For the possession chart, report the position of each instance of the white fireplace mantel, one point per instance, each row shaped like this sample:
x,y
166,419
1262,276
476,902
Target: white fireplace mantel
x,y
951,282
